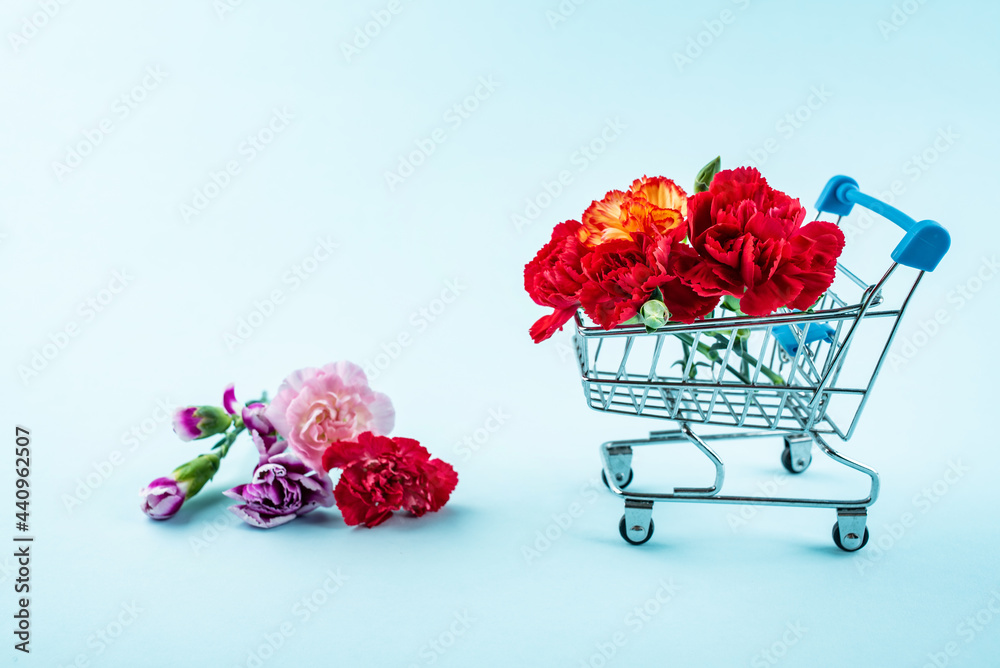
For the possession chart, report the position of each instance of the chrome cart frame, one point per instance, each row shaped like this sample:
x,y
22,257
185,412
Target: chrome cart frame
x,y
771,376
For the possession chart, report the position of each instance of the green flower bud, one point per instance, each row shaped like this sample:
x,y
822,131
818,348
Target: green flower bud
x,y
704,178
194,422
654,314
732,304
192,476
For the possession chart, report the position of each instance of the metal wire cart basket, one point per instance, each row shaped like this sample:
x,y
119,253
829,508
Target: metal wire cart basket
x,y
779,375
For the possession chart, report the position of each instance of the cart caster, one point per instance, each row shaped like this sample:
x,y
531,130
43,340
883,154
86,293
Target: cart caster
x,y
621,480
836,539
849,531
797,455
636,525
619,462
635,531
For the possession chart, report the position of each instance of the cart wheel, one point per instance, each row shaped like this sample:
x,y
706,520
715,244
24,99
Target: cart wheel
x,y
624,533
836,539
798,466
623,485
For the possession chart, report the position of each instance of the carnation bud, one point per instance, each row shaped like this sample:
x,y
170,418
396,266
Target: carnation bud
x,y
732,303
704,178
194,422
192,476
654,314
162,498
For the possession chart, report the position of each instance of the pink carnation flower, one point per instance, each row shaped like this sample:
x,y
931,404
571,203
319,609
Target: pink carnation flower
x,y
315,408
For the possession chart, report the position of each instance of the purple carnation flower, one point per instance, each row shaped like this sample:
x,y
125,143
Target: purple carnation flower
x,y
282,488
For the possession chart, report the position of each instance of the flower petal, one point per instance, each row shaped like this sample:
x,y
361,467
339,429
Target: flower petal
x,y
259,519
601,220
661,192
229,402
549,324
383,415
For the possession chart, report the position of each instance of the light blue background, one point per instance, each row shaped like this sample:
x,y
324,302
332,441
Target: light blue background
x,y
211,593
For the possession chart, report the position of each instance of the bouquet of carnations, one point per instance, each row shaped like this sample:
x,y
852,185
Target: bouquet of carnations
x,y
652,255
321,419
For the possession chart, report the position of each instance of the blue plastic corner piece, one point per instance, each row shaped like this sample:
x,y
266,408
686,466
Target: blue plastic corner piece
x,y
818,331
831,200
923,246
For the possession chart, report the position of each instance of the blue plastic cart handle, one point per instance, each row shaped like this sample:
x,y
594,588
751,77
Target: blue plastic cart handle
x,y
925,242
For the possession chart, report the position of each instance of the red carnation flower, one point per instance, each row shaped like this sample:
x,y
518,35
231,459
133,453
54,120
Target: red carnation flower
x,y
553,278
381,475
752,245
683,302
622,274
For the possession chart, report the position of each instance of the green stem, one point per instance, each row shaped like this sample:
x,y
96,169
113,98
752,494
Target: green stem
x,y
228,440
710,354
751,360
238,427
714,356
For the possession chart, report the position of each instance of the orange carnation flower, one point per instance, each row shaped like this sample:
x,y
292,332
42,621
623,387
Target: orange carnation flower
x,y
653,206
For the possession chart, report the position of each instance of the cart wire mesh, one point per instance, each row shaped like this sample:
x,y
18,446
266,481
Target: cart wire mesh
x,y
778,372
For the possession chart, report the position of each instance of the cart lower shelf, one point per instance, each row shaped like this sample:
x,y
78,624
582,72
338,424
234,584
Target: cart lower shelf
x,y
636,526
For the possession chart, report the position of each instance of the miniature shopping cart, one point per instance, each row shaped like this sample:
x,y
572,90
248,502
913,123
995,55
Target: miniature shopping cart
x,y
783,375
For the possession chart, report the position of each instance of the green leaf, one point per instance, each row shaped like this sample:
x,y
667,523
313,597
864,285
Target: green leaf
x,y
704,178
